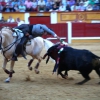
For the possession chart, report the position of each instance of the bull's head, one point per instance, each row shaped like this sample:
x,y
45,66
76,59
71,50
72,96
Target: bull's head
x,y
52,52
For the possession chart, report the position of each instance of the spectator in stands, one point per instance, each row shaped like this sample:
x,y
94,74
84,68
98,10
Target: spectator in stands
x,y
86,2
14,2
22,7
62,7
95,7
2,20
54,8
3,3
34,5
64,2
81,1
19,22
75,7
16,8
21,1
10,19
49,5
91,2
10,6
1,8
28,5
81,7
7,1
89,7
57,2
41,5
7,8
96,1
53,2
71,2
68,8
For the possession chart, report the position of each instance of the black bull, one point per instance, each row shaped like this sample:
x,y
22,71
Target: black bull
x,y
75,59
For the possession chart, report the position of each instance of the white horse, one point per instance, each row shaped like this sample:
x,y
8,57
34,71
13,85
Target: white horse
x,y
8,45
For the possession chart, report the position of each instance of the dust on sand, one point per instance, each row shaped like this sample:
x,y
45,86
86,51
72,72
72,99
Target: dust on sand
x,y
26,85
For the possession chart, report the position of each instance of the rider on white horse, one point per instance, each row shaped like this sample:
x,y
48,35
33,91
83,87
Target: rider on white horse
x,y
31,31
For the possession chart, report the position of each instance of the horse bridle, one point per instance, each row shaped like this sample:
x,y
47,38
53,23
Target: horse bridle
x,y
10,46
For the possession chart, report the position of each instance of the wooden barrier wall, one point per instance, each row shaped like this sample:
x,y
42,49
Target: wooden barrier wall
x,y
83,16
85,30
8,24
62,17
14,15
78,30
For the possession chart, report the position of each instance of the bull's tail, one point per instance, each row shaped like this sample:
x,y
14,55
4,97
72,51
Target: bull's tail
x,y
47,45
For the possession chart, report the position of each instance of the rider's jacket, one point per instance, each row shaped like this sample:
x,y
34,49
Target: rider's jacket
x,y
36,29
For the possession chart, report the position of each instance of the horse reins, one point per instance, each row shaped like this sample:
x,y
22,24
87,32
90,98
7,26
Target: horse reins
x,y
11,45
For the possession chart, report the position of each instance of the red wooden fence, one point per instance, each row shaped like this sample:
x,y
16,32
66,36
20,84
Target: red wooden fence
x,y
85,30
78,29
8,24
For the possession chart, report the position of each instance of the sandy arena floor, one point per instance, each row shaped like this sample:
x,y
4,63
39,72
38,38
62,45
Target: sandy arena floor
x,y
45,86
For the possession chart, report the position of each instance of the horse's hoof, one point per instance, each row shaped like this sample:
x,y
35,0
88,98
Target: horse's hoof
x,y
6,81
30,68
13,71
37,72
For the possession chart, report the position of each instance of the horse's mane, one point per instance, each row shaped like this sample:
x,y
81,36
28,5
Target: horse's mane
x,y
6,29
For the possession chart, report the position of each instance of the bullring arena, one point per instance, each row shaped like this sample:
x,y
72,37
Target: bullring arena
x,y
26,85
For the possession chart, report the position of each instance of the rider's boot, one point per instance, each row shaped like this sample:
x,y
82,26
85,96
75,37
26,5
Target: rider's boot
x,y
23,54
0,47
14,58
23,47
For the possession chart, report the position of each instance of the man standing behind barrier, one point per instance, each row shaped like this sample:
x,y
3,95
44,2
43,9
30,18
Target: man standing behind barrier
x,y
31,31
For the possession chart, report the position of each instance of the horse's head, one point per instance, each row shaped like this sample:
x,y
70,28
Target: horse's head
x,y
52,52
5,34
6,28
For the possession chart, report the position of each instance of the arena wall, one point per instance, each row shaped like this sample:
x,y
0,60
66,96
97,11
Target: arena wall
x,y
87,30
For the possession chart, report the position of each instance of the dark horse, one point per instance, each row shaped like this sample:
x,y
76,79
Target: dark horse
x,y
75,59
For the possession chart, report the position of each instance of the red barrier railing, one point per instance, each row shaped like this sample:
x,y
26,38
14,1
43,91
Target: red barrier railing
x,y
85,30
8,24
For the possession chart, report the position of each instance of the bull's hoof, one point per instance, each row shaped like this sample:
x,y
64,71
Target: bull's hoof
x,y
82,82
64,77
99,83
79,83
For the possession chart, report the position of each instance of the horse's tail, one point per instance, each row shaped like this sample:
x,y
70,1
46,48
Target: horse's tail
x,y
47,44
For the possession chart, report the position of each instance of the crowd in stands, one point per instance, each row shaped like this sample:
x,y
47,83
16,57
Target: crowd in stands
x,y
18,21
48,5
